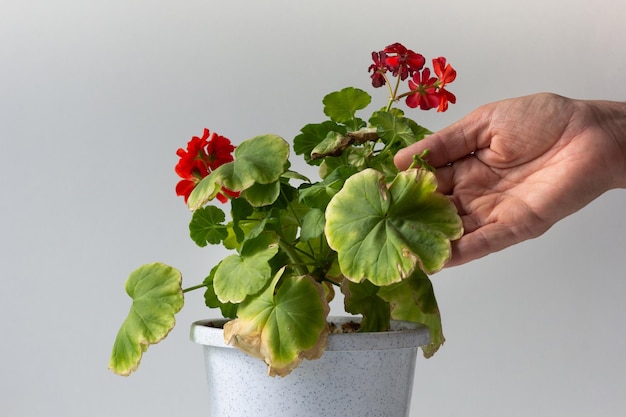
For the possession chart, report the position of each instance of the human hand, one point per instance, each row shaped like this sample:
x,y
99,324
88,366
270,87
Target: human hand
x,y
515,167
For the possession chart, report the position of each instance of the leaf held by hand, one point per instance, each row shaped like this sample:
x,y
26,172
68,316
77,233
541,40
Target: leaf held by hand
x,y
384,232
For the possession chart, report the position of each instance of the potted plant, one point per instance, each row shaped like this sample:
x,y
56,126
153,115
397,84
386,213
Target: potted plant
x,y
364,228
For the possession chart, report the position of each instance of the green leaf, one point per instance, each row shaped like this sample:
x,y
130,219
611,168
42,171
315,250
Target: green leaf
x,y
259,242
419,132
206,226
414,300
332,145
157,296
362,298
311,135
240,209
260,226
319,194
211,300
341,106
298,305
383,233
262,159
205,190
355,124
259,195
238,276
312,225
295,175
392,129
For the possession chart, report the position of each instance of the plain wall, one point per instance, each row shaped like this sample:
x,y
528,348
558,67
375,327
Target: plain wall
x,y
95,98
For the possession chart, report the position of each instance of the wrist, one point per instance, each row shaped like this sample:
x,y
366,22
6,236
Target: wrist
x,y
610,121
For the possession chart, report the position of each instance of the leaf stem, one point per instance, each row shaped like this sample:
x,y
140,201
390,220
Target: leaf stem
x,y
420,161
296,262
295,216
335,283
195,287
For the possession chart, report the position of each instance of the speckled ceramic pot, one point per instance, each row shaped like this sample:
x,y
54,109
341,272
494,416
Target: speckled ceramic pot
x,y
360,374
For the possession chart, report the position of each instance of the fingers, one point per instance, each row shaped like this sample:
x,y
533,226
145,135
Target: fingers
x,y
449,144
478,242
469,247
445,180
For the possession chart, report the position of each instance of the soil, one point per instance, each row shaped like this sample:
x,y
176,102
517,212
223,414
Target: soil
x,y
348,327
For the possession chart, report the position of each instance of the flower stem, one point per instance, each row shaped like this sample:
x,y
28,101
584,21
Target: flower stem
x,y
393,95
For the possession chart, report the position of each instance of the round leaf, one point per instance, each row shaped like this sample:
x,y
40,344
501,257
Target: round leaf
x,y
260,160
341,106
299,304
237,276
311,135
393,129
259,195
206,226
383,233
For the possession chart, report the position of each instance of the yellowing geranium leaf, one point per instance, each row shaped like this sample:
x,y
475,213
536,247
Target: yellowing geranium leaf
x,y
298,304
238,276
362,298
383,232
260,160
413,300
312,225
157,296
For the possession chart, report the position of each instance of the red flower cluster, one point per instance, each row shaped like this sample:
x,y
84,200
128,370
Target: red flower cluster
x,y
203,155
425,92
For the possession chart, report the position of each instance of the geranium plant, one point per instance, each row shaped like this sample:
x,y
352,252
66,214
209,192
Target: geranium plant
x,y
366,229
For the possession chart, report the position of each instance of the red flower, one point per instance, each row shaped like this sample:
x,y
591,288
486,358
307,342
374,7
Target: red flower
x,y
403,61
225,191
378,69
219,151
444,97
424,91
202,156
446,75
192,161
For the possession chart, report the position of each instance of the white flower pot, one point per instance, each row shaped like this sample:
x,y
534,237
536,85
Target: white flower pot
x,y
360,374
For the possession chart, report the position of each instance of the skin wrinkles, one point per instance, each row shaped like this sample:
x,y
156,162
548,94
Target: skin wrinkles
x,y
514,168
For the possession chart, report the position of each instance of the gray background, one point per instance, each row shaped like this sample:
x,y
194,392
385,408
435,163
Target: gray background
x,y
96,96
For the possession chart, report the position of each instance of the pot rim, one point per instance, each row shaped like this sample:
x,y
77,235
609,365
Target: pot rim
x,y
403,335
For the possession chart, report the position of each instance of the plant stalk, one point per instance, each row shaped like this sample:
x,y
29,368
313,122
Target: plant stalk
x,y
195,287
